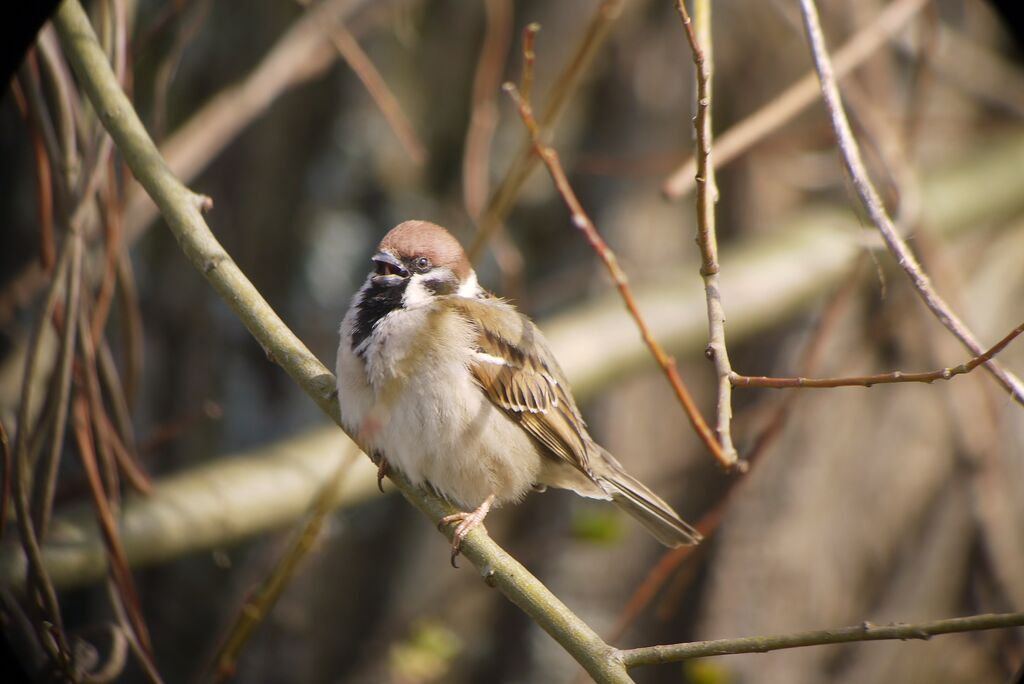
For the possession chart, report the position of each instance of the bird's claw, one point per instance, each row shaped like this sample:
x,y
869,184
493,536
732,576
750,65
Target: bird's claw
x,y
383,470
466,521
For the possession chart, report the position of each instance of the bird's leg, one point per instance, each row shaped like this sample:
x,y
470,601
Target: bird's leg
x,y
466,522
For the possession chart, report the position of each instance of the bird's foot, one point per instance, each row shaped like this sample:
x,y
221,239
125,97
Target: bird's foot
x,y
466,522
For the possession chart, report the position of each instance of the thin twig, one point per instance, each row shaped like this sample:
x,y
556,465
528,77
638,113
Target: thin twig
x,y
652,655
302,52
529,59
45,482
44,182
483,118
707,239
51,636
743,135
872,203
879,378
120,572
582,221
257,606
377,87
670,561
558,97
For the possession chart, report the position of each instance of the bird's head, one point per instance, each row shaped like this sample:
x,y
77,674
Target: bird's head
x,y
423,261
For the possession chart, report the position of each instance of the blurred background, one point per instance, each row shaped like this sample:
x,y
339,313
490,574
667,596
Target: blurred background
x,y
316,128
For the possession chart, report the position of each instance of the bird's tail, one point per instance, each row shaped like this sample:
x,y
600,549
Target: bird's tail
x,y
648,508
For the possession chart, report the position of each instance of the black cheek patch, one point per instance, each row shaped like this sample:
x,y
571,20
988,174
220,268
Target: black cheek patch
x,y
442,286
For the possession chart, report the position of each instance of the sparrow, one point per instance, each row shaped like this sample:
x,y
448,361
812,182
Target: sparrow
x,y
459,391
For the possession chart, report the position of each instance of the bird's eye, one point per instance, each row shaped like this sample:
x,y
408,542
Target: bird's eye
x,y
422,264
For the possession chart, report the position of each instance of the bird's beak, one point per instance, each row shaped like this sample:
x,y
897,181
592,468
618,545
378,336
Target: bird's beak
x,y
389,271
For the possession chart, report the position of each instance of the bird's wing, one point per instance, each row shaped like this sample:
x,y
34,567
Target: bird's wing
x,y
515,368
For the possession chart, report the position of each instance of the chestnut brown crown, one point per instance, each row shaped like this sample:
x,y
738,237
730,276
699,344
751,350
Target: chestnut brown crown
x,y
413,239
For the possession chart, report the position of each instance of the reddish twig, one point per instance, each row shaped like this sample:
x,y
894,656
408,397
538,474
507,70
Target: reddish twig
x,y
483,119
111,214
385,100
868,195
811,359
707,241
529,59
119,570
45,483
880,378
126,463
586,226
670,561
558,97
44,183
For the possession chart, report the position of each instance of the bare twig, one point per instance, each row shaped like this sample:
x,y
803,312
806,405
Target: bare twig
x,y
652,655
561,92
880,378
876,211
46,477
44,182
119,569
385,100
301,53
707,240
582,221
258,605
797,97
483,118
670,561
49,625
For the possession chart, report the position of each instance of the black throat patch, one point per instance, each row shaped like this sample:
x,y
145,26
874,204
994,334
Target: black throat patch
x,y
378,302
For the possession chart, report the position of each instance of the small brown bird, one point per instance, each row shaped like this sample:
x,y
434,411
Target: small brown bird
x,y
458,390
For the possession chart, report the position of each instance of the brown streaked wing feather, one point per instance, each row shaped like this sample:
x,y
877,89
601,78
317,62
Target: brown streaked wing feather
x,y
529,387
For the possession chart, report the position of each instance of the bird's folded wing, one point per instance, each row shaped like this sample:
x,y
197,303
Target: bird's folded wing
x,y
516,370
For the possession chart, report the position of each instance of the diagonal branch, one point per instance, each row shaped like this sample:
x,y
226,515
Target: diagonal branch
x,y
564,87
872,203
581,220
879,378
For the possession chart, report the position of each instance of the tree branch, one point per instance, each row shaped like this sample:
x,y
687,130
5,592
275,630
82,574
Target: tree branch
x,y
879,378
872,203
582,221
565,85
707,239
653,655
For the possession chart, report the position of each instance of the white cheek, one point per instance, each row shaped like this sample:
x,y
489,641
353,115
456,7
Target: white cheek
x,y
416,293
470,288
